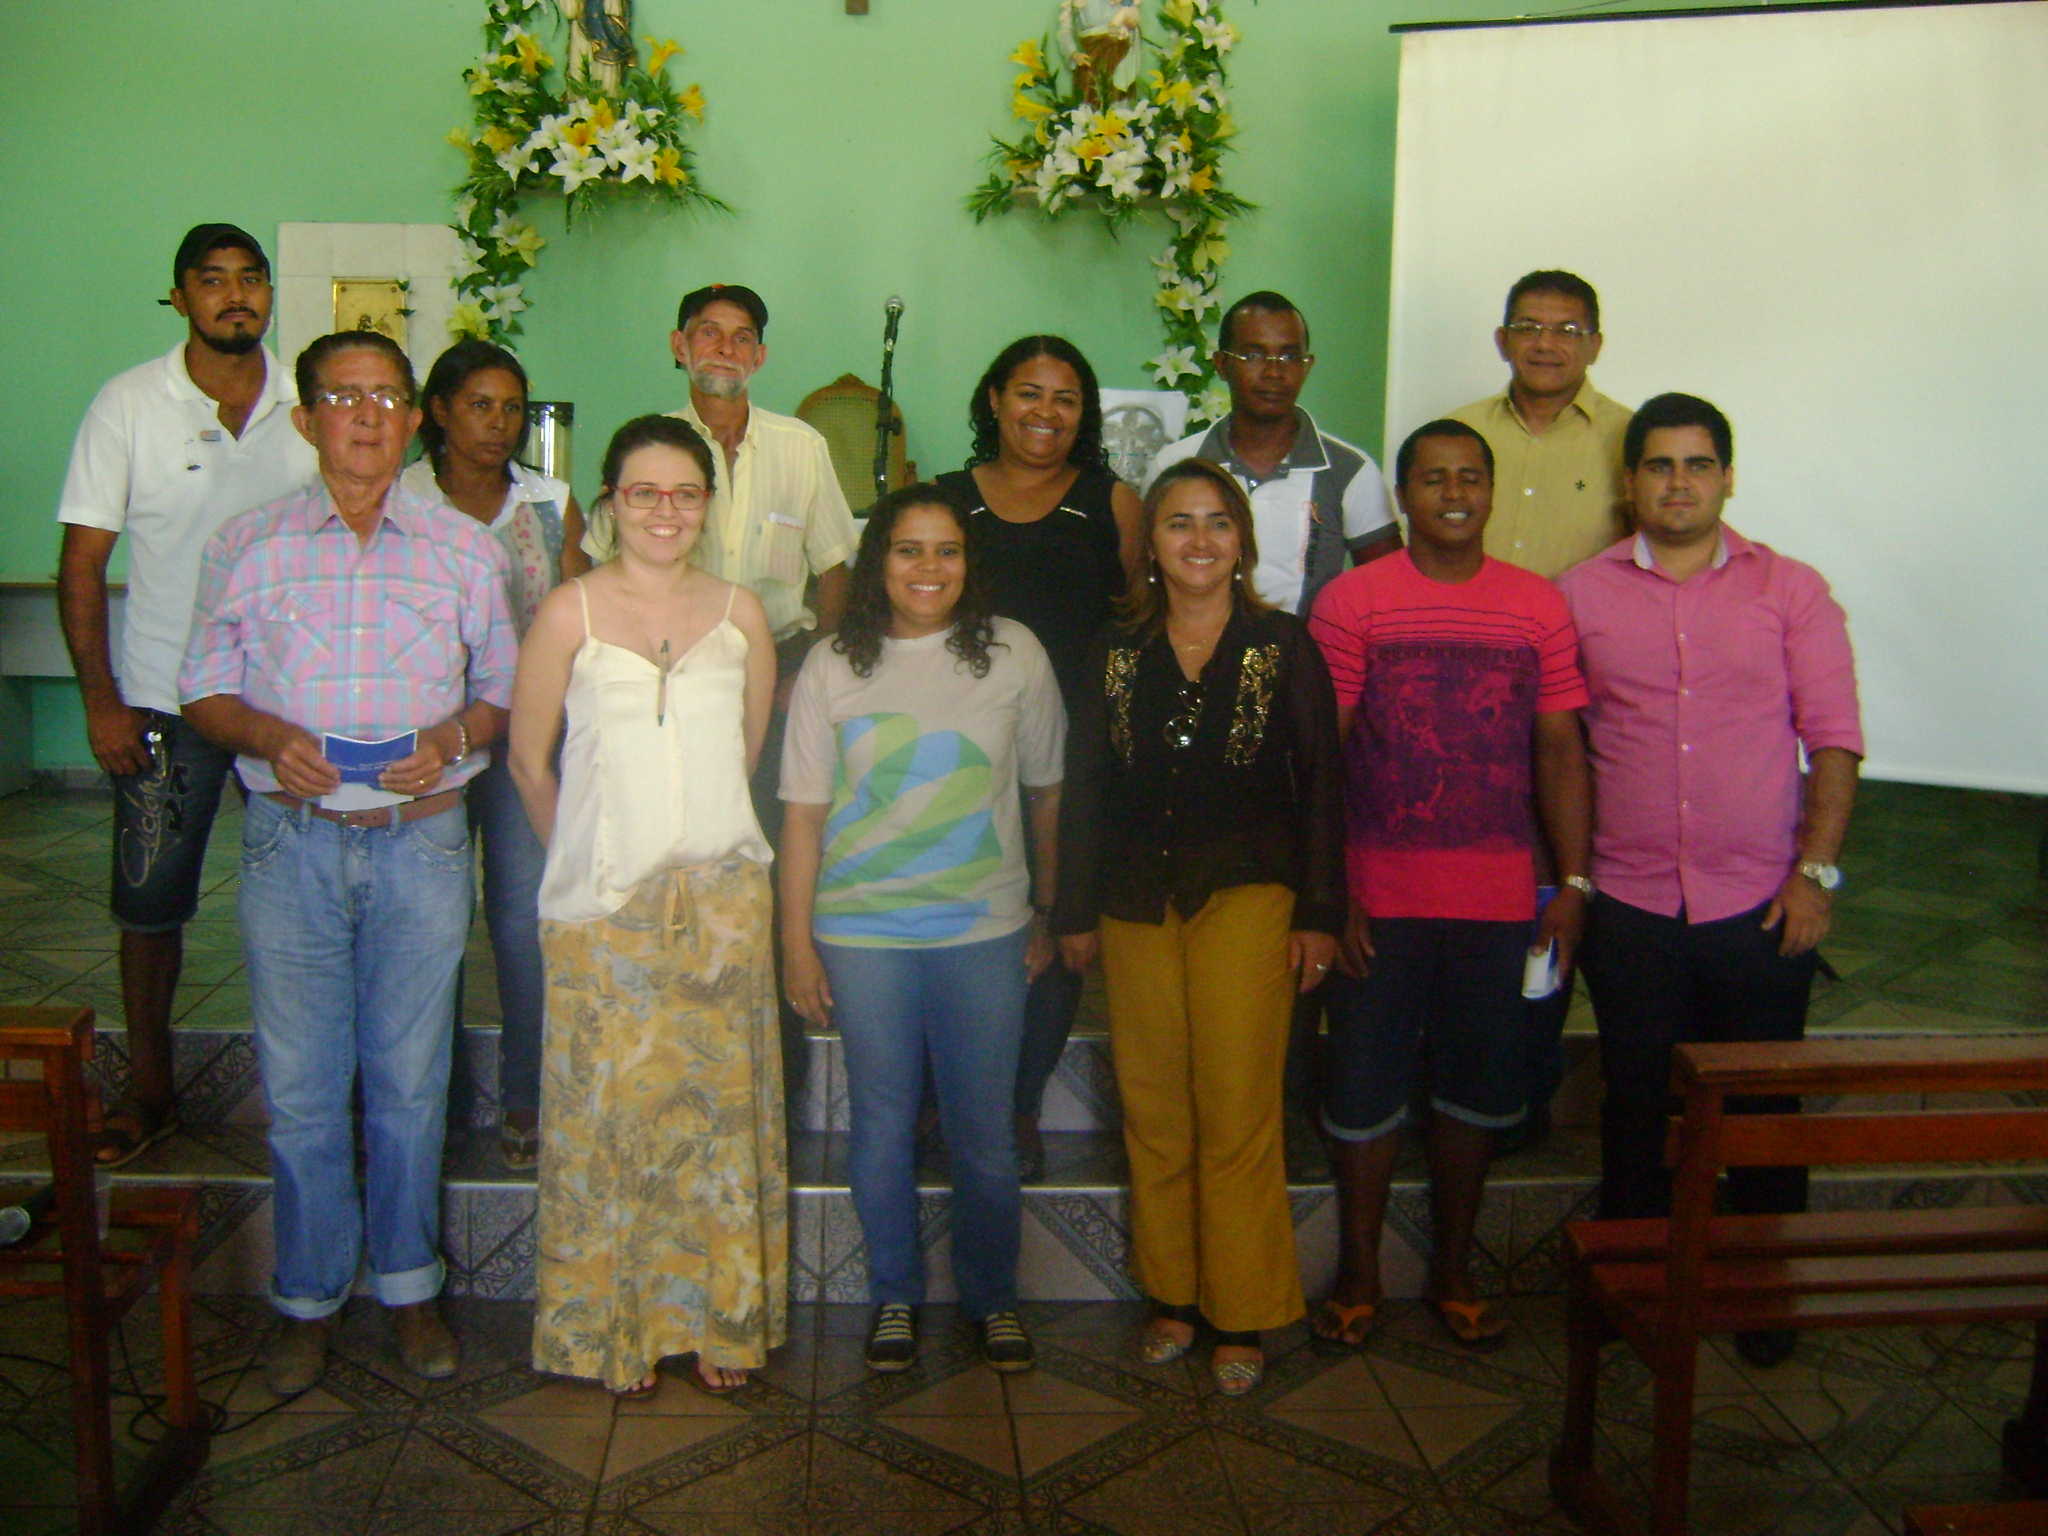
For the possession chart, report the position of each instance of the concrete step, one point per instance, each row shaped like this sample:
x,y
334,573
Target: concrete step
x,y
214,1066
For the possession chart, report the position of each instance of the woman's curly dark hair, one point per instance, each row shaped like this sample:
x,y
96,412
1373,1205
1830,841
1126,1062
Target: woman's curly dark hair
x,y
1087,451
868,615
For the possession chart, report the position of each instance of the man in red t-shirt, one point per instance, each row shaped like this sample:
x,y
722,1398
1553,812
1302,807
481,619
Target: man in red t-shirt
x,y
1457,679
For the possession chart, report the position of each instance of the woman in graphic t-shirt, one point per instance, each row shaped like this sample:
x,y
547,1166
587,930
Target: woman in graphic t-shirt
x,y
908,917
1056,538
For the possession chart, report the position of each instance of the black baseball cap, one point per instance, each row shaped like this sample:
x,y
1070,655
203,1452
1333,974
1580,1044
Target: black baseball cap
x,y
730,293
204,239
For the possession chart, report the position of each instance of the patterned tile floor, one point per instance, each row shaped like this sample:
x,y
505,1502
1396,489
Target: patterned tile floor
x,y
1409,1436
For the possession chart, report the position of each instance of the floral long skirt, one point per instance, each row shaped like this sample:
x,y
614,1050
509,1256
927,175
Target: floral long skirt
x,y
664,1192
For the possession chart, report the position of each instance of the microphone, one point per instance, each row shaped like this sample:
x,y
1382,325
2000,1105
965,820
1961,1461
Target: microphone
x,y
885,414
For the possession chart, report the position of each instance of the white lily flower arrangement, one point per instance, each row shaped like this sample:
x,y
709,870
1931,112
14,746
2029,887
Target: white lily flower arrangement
x,y
1105,134
580,137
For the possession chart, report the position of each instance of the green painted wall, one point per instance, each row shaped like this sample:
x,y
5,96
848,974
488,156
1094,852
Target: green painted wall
x,y
845,145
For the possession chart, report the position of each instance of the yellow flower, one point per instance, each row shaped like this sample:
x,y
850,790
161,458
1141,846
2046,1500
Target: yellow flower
x,y
1226,125
480,82
467,319
1202,181
498,139
1090,150
602,116
1025,81
1179,95
527,55
1020,170
1031,111
459,137
1109,126
1027,54
1180,12
659,53
1213,251
668,167
1184,144
691,103
579,135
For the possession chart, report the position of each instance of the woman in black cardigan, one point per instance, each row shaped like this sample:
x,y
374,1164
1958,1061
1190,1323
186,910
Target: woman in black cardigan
x,y
1201,850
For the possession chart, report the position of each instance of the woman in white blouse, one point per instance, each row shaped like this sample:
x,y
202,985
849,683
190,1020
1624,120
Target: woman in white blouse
x,y
663,1222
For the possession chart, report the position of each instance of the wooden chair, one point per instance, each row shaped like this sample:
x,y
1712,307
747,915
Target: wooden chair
x,y
151,1232
845,412
1663,1284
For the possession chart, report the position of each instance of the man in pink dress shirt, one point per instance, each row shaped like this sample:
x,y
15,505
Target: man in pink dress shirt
x,y
1711,661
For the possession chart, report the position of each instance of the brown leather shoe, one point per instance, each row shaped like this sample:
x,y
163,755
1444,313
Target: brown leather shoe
x,y
297,1357
425,1346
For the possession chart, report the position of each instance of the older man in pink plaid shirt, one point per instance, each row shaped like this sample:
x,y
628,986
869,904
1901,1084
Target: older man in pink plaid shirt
x,y
355,621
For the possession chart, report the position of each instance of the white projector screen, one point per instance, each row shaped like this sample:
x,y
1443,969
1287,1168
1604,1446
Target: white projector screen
x,y
1832,224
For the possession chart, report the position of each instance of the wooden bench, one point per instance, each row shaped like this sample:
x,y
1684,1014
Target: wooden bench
x,y
151,1232
1662,1284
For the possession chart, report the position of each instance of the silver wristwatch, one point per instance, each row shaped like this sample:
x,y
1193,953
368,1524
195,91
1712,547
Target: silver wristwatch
x,y
1826,876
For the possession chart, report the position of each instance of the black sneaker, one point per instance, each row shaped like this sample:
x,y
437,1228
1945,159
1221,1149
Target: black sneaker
x,y
892,1338
1005,1345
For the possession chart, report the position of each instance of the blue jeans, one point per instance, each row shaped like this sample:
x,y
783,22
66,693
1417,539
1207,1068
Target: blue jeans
x,y
963,1006
353,936
513,861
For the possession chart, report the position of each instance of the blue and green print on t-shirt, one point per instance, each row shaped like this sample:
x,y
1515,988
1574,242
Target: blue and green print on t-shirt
x,y
910,840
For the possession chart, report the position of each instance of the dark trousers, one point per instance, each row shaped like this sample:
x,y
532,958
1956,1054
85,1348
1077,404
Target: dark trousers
x,y
1658,982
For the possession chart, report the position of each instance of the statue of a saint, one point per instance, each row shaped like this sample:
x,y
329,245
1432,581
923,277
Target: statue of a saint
x,y
1100,40
600,42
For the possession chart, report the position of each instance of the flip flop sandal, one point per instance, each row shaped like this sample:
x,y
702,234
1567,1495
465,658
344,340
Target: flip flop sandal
x,y
646,1388
695,1376
129,1145
1474,1324
1345,1327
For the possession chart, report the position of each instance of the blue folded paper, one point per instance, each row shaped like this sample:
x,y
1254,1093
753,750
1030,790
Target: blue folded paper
x,y
362,762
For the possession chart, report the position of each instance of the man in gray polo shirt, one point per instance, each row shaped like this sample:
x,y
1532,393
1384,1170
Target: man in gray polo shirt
x,y
1319,505
168,451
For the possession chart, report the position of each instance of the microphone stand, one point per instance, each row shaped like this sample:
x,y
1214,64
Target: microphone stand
x,y
885,411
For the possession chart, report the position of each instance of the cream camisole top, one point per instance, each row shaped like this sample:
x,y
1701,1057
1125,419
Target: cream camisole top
x,y
654,770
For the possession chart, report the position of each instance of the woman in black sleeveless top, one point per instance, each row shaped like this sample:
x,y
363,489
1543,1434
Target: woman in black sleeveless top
x,y
1056,535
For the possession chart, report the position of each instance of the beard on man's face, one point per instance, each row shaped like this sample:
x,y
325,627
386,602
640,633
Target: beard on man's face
x,y
233,343
719,386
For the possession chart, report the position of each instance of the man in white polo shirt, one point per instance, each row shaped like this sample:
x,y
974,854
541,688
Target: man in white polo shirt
x,y
1319,505
168,452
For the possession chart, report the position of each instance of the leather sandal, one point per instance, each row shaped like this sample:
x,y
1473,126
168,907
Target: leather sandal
x,y
1474,1324
646,1388
130,1131
1158,1347
1348,1327
1235,1378
519,1145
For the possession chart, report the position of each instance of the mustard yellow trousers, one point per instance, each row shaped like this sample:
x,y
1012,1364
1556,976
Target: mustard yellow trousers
x,y
1198,1021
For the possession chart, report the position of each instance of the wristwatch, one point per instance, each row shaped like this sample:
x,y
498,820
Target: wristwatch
x,y
1580,884
1826,876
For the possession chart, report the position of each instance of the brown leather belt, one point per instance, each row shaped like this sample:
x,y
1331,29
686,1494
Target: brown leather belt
x,y
376,815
